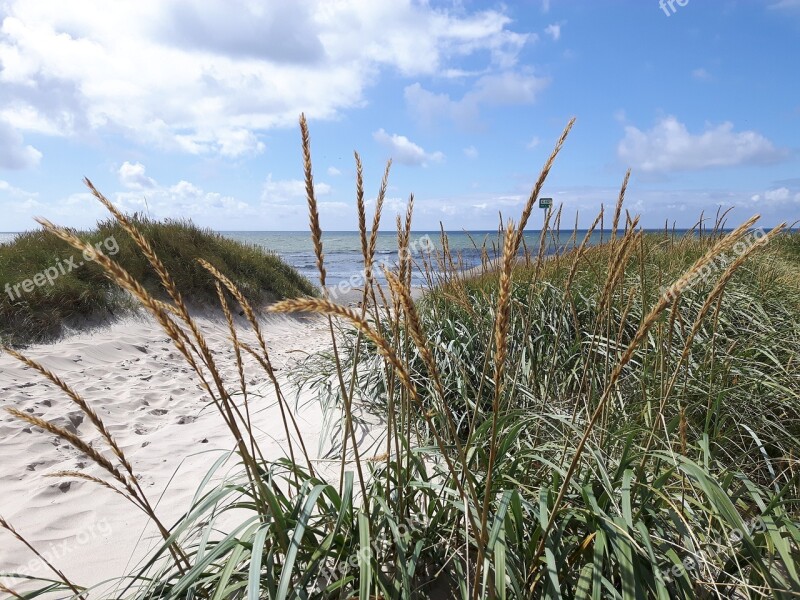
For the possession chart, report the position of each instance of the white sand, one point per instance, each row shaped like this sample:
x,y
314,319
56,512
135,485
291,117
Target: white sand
x,y
139,384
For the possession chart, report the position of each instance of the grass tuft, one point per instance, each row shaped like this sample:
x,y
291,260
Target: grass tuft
x,y
82,294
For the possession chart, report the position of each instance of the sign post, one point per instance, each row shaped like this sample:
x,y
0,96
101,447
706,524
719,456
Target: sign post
x,y
546,204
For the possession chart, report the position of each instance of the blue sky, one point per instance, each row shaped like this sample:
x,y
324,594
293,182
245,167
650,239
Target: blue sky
x,y
189,109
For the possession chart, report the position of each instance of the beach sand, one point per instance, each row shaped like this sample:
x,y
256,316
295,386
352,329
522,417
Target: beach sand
x,y
139,384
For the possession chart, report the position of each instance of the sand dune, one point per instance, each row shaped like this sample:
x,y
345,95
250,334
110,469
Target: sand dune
x,y
135,379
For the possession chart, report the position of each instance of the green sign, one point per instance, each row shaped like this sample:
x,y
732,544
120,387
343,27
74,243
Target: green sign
x,y
545,202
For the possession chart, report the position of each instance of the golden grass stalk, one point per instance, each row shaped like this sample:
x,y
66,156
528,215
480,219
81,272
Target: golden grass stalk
x,y
406,257
179,308
501,327
579,254
316,238
10,528
504,305
376,220
618,262
122,278
87,477
542,243
361,209
618,209
114,270
254,449
537,188
369,256
313,212
367,252
405,302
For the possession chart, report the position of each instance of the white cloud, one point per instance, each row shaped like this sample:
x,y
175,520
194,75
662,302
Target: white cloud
x,y
80,208
206,77
176,200
14,154
545,6
405,151
145,194
23,200
534,141
657,206
669,146
701,74
334,172
778,195
471,152
783,200
428,107
289,190
237,142
284,201
554,31
786,5
132,176
508,88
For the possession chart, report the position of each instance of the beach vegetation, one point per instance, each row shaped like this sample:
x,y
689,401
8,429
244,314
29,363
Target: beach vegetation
x,y
47,287
617,421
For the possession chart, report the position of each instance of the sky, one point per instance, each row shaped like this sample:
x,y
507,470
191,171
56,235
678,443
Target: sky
x,y
189,109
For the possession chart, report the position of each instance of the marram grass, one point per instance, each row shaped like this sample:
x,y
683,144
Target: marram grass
x,y
618,421
83,294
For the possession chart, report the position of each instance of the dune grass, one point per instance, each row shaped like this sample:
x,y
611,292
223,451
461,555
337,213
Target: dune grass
x,y
81,293
613,422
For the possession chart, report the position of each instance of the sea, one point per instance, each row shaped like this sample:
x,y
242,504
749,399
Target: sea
x,y
344,260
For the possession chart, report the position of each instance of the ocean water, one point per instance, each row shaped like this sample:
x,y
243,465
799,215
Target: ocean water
x,y
343,258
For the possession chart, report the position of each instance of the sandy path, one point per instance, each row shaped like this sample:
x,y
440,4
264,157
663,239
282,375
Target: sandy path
x,y
138,383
